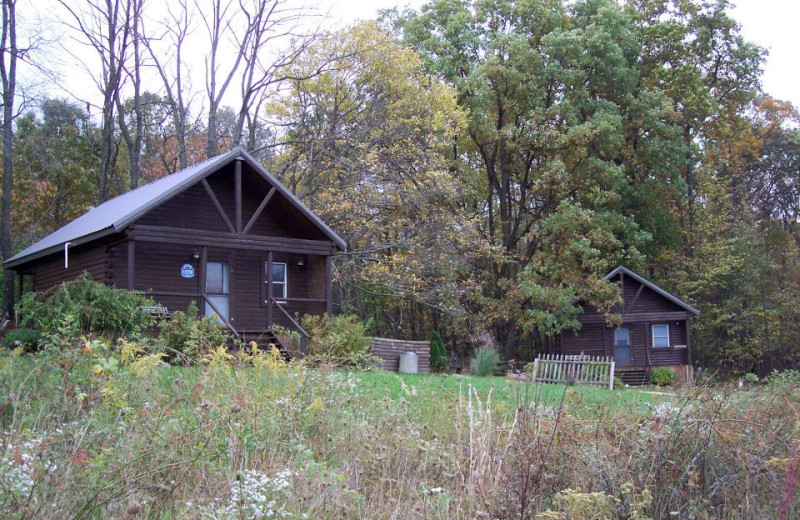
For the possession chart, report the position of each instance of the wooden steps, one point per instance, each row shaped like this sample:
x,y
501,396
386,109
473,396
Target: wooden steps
x,y
264,340
634,376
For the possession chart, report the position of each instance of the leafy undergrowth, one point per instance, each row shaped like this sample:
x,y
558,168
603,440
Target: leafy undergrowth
x,y
96,432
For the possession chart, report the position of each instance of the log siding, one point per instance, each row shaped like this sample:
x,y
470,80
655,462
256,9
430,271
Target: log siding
x,y
644,305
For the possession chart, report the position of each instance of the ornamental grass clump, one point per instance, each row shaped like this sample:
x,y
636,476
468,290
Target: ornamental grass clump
x,y
487,361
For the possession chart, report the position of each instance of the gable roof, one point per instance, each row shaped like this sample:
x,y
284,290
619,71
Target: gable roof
x,y
116,214
661,292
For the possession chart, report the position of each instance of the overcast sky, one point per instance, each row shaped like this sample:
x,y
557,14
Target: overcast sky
x,y
772,24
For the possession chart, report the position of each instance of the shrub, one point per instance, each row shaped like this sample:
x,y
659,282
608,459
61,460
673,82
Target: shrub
x,y
619,384
662,376
28,339
438,353
487,361
785,377
89,305
337,339
188,335
751,378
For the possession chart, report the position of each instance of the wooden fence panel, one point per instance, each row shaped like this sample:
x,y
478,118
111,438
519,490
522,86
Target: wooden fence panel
x,y
584,370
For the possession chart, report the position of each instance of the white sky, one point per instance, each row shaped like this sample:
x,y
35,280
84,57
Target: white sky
x,y
772,24
775,25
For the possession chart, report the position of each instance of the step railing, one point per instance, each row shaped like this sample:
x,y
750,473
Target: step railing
x,y
288,316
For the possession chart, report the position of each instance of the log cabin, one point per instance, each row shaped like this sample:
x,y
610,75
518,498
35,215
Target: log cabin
x,y
224,233
653,331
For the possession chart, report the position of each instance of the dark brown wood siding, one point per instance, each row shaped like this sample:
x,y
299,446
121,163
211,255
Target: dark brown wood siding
x,y
648,300
589,341
194,209
196,223
92,257
643,308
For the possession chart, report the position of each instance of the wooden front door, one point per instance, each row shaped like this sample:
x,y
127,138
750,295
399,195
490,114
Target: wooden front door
x,y
622,347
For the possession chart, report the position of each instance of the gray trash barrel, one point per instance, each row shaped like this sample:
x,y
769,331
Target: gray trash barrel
x,y
408,363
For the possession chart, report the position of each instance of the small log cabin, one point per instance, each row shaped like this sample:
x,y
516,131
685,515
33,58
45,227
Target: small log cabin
x,y
224,233
654,331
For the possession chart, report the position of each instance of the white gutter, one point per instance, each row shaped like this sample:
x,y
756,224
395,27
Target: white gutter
x,y
66,254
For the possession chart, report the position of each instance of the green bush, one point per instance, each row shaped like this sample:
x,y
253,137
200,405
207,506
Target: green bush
x,y
438,353
487,361
337,339
28,339
91,306
619,384
663,376
190,336
751,377
783,378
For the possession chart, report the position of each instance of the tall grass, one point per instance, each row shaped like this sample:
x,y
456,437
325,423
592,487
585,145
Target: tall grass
x,y
89,432
487,361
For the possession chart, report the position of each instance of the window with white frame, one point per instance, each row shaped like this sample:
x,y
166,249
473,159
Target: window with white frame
x,y
279,279
660,336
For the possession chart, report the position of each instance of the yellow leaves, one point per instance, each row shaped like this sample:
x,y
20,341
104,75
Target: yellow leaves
x,y
316,406
218,359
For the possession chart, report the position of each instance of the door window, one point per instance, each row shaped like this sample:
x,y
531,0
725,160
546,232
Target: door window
x,y
622,346
218,290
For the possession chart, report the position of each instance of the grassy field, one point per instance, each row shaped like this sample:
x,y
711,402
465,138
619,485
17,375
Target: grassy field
x,y
94,432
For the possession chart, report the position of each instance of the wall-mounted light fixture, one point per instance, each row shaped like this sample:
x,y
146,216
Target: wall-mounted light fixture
x,y
301,262
196,255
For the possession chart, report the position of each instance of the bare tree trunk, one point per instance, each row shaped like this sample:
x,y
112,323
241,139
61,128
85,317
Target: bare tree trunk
x,y
215,25
106,27
133,142
177,26
8,72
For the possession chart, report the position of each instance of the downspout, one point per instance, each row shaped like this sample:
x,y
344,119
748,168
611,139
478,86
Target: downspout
x,y
66,254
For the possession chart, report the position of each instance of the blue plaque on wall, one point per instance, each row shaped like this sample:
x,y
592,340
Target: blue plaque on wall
x,y
187,271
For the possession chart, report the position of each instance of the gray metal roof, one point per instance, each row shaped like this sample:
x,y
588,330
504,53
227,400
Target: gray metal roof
x,y
116,214
651,285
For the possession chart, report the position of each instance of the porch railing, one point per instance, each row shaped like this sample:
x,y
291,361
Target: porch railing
x,y
585,370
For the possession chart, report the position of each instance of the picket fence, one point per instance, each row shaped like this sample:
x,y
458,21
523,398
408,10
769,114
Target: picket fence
x,y
585,370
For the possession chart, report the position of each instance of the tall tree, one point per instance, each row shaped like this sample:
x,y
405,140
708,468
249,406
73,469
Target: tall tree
x,y
170,65
554,112
106,28
366,147
8,75
218,23
55,161
131,124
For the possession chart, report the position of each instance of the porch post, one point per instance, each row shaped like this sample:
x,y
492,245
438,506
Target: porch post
x,y
328,286
238,195
688,343
131,253
201,281
269,290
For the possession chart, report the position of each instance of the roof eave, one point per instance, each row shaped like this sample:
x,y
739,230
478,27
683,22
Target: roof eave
x,y
13,263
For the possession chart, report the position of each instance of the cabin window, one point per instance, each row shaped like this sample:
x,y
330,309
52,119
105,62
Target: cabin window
x,y
660,336
279,280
